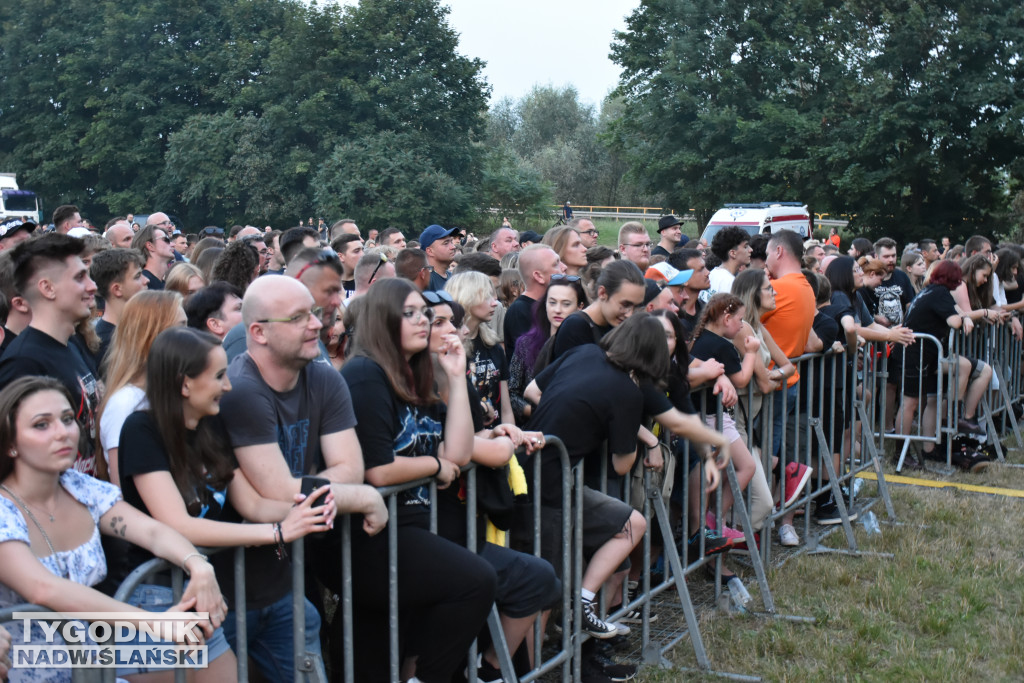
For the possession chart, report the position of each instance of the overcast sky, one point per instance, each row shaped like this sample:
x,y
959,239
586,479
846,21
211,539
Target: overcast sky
x,y
528,42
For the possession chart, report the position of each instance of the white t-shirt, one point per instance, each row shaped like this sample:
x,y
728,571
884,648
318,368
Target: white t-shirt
x,y
721,281
122,403
997,290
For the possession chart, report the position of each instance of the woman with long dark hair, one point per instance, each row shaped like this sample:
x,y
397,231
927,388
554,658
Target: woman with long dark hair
x,y
620,291
406,435
564,296
176,464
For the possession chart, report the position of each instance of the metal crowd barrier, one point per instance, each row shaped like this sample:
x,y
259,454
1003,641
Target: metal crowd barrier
x,y
865,374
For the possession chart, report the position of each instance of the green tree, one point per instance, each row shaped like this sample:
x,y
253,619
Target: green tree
x,y
907,114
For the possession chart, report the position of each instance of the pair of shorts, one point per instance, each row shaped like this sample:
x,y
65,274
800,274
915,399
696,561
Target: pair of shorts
x,y
602,518
526,584
728,426
159,599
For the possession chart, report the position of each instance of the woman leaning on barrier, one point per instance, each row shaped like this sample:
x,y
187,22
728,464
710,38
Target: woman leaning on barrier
x,y
51,518
406,435
177,465
527,585
935,312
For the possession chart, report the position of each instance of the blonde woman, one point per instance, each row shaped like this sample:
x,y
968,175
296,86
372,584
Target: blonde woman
x,y
569,246
489,366
146,315
185,279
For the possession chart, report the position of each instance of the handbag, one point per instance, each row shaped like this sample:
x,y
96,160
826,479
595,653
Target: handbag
x,y
494,496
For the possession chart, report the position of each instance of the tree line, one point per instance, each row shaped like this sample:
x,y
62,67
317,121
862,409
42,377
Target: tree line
x,y
907,114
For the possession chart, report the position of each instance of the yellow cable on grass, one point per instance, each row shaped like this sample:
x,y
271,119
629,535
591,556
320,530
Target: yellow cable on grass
x,y
930,483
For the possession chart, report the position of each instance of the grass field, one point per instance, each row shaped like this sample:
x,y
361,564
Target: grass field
x,y
948,607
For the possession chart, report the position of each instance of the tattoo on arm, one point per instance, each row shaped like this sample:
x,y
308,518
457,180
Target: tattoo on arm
x,y
118,526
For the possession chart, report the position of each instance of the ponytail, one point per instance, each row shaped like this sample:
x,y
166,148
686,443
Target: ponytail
x,y
720,304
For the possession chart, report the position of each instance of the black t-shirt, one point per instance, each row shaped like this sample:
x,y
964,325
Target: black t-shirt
x,y
660,251
105,331
255,414
576,330
141,451
1015,295
155,283
518,320
841,306
8,338
690,321
437,281
891,297
675,395
34,352
710,345
585,401
387,426
489,369
928,315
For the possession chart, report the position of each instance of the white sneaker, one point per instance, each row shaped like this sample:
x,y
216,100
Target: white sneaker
x,y
788,536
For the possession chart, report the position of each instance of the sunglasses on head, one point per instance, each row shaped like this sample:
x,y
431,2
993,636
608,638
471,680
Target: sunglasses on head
x,y
437,298
383,260
326,255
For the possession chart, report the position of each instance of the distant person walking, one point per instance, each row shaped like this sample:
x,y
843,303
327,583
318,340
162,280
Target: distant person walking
x,y
567,211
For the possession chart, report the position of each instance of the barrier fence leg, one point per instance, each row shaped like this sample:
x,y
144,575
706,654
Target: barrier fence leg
x,y
883,488
986,409
241,623
1008,403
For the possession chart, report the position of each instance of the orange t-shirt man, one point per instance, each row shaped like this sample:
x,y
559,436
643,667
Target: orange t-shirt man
x,y
790,323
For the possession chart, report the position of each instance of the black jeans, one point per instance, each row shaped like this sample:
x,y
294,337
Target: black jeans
x,y
445,593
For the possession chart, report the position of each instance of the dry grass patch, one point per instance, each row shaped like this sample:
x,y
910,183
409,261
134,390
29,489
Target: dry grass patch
x,y
947,607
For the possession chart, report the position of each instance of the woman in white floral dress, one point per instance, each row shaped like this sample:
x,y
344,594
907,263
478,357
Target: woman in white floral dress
x,y
51,517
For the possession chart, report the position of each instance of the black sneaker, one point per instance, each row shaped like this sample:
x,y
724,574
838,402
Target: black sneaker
x,y
612,669
487,673
593,625
934,455
827,512
713,544
635,615
969,426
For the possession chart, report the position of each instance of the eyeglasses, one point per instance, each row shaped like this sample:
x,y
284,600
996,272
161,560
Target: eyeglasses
x,y
165,239
326,255
437,298
415,315
383,260
592,233
301,317
640,245
558,277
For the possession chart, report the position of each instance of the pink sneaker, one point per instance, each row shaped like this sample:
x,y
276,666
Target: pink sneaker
x,y
725,531
796,478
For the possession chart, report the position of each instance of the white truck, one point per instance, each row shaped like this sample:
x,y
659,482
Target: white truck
x,y
18,203
761,217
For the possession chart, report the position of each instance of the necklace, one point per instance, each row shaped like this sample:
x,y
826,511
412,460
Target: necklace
x,y
22,503
53,551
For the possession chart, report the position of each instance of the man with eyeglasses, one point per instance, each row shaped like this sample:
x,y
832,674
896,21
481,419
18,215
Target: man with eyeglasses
x,y
635,244
259,243
288,417
155,245
585,227
319,270
440,246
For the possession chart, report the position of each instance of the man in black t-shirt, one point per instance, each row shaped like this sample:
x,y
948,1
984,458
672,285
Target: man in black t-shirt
x,y
537,263
696,287
288,416
51,276
19,315
440,246
350,250
118,277
891,298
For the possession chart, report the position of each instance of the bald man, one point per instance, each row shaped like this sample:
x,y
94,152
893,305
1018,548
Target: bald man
x,y
288,417
120,234
537,263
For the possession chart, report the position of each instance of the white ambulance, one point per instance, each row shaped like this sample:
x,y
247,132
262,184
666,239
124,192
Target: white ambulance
x,y
761,217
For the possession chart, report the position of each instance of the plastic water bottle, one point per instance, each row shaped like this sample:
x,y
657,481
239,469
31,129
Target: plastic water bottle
x,y
857,483
738,594
870,523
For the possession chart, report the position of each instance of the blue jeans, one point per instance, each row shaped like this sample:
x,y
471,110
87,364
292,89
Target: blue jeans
x,y
779,419
269,636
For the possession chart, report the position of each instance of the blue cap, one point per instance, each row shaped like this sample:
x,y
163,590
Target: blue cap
x,y
434,233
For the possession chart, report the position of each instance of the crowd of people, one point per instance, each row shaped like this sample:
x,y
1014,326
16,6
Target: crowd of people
x,y
164,392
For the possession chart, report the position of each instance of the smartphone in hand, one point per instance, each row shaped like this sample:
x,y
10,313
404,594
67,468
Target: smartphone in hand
x,y
311,483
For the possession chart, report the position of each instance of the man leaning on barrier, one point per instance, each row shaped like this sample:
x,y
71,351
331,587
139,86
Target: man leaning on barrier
x,y
288,416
